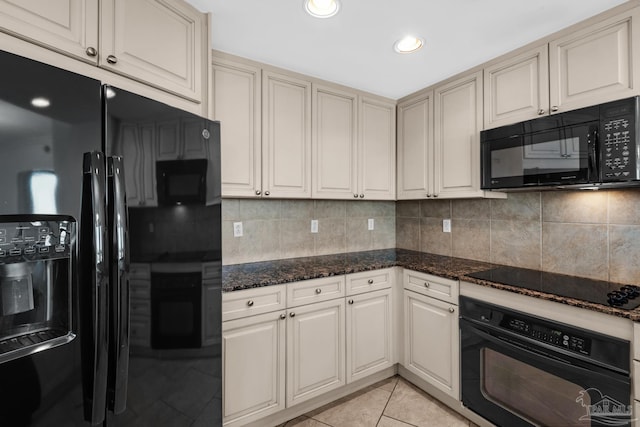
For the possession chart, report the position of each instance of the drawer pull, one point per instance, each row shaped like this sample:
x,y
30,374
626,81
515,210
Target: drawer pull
x,y
250,303
292,314
112,59
318,291
370,281
426,284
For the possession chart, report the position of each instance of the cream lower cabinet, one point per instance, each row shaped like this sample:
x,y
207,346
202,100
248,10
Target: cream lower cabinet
x,y
431,335
163,43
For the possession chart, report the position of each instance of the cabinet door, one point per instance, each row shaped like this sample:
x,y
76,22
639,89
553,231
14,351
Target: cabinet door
x,y
315,350
159,42
68,26
286,136
597,64
377,149
236,100
432,341
253,367
369,336
334,143
415,147
517,88
458,119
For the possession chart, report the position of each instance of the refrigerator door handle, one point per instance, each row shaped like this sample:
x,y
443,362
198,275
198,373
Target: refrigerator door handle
x,y
93,287
119,342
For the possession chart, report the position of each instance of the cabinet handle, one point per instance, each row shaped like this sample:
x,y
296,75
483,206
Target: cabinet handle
x,y
554,108
112,59
426,284
292,314
350,301
541,112
283,316
258,192
266,193
362,196
370,281
355,196
250,303
318,290
451,309
92,52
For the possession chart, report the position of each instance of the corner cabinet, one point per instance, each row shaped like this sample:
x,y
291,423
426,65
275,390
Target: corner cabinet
x,y
432,348
286,140
162,43
596,63
353,145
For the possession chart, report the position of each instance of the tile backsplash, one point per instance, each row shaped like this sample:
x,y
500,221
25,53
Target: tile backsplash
x,y
593,234
274,229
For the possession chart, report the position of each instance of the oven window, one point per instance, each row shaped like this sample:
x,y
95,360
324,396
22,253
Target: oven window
x,y
533,394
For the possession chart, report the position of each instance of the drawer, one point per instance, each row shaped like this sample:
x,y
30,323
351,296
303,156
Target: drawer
x,y
315,290
140,289
437,287
212,270
249,302
367,281
140,308
139,271
140,332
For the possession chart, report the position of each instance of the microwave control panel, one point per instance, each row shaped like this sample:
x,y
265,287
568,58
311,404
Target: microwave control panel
x,y
617,137
35,240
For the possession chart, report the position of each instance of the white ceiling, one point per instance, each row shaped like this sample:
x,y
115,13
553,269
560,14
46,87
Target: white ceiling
x,y
355,47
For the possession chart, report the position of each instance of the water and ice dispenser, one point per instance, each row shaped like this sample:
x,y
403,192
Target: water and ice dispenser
x,y
36,282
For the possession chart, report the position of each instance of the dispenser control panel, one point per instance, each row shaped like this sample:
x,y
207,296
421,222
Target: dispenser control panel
x,y
41,239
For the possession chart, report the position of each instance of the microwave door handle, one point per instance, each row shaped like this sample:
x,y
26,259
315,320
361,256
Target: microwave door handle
x,y
94,283
119,357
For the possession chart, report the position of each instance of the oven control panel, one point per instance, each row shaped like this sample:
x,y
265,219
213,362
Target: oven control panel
x,y
543,333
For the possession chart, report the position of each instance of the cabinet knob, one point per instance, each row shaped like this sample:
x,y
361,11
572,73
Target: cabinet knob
x,y
362,196
350,301
428,194
141,202
355,196
92,52
112,59
555,108
318,290
266,193
258,192
250,303
370,281
451,309
426,284
541,112
283,316
435,195
292,314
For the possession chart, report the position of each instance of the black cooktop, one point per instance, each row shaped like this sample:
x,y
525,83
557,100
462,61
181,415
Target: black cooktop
x,y
626,297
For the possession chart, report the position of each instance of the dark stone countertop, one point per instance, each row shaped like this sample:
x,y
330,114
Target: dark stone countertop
x,y
257,274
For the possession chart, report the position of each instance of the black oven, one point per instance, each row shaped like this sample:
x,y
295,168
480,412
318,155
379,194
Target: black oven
x,y
176,310
522,370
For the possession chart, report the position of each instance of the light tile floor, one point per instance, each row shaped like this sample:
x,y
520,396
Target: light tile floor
x,y
390,403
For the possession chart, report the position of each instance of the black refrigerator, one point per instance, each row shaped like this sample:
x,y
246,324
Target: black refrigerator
x,y
110,255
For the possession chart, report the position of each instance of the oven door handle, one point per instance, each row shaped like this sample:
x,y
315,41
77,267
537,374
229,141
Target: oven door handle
x,y
559,363
119,280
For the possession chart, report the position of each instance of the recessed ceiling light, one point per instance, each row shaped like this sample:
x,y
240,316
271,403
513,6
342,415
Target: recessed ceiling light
x,y
408,44
321,8
40,102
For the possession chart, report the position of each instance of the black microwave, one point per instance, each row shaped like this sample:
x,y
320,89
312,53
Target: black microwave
x,y
181,182
590,147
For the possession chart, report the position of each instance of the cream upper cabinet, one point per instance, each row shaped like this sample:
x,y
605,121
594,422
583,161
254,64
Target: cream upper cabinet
x,y
236,102
415,147
596,64
162,43
137,142
67,26
159,42
334,143
376,149
517,89
180,140
286,136
457,124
